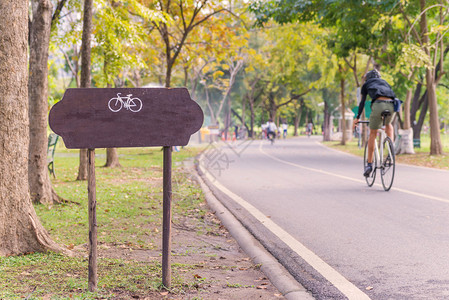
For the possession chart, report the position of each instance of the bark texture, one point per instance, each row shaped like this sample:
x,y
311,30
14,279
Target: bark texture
x,y
436,146
112,158
39,179
326,123
20,230
343,110
85,72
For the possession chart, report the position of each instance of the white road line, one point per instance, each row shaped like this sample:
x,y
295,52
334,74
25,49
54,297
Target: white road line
x,y
352,179
340,282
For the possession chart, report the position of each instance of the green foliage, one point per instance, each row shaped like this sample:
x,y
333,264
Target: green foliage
x,y
297,48
118,39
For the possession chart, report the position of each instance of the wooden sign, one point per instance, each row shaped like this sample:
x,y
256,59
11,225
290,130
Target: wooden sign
x,y
125,117
139,117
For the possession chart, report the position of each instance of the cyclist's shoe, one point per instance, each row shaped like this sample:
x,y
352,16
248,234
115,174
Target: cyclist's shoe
x,y
368,170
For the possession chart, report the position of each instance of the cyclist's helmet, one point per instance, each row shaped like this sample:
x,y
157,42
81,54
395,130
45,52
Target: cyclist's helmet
x,y
372,74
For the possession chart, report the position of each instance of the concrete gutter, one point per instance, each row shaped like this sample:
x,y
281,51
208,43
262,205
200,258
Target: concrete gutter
x,y
276,273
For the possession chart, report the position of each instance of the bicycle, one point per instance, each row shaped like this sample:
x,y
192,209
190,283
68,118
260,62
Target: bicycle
x,y
271,136
383,158
116,104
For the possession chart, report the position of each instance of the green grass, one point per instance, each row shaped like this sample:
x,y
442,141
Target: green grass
x,y
129,214
63,277
421,158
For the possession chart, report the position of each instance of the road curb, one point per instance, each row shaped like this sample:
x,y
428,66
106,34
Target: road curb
x,y
276,273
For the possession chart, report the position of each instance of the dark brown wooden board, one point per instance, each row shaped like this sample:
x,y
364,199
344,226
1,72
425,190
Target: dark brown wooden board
x,y
167,117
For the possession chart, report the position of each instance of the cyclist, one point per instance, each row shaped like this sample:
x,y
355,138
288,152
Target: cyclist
x,y
382,99
284,129
271,130
309,128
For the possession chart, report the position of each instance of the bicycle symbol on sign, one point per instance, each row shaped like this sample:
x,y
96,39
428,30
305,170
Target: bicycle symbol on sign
x,y
133,104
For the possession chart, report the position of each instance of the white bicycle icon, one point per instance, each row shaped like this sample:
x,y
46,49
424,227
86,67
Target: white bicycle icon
x,y
133,104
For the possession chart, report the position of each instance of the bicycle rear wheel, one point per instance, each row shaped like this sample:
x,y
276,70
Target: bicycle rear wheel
x,y
115,104
372,177
271,137
388,164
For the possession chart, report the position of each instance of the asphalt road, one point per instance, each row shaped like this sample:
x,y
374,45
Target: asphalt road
x,y
311,208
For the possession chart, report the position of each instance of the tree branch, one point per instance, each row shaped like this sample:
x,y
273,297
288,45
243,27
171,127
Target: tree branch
x,y
57,12
293,98
69,63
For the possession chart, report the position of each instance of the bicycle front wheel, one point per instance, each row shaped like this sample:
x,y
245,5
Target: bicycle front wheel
x,y
135,105
388,164
271,137
372,177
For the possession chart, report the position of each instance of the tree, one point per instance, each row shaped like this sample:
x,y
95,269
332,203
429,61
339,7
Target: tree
x,y
254,90
349,22
85,72
424,47
294,57
20,229
436,147
40,186
67,39
185,16
214,56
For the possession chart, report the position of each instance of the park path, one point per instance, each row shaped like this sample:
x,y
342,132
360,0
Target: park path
x,y
310,206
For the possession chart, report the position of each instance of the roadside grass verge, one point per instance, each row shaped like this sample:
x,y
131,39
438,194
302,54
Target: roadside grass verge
x,y
420,158
129,216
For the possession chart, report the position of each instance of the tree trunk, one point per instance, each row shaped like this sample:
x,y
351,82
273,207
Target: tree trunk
x,y
436,147
20,229
227,123
343,110
244,113
111,153
326,123
168,73
137,78
213,119
407,105
39,180
272,107
406,142
417,126
253,117
416,103
298,112
85,73
240,119
112,158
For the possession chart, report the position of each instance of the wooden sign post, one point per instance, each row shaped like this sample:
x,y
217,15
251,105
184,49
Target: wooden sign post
x,y
166,219
137,117
92,210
